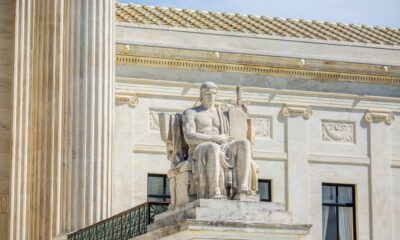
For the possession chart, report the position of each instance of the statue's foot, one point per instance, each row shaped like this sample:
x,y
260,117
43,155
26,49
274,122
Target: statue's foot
x,y
245,190
217,196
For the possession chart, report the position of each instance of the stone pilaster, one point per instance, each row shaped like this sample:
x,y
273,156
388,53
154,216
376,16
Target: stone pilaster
x,y
380,174
63,116
297,162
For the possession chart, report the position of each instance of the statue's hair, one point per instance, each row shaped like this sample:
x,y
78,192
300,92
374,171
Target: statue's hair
x,y
208,85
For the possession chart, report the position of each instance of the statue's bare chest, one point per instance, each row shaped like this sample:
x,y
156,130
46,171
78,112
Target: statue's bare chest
x,y
207,119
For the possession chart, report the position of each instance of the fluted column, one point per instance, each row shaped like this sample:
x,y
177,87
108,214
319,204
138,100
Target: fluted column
x,y
19,193
89,81
62,116
38,120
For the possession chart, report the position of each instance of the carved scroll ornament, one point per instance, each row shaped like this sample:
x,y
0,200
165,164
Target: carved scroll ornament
x,y
288,111
131,100
386,117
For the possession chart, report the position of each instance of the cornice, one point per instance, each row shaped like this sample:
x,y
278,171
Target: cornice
x,y
256,69
256,95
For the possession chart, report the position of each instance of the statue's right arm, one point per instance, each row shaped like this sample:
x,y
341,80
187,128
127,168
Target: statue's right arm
x,y
189,130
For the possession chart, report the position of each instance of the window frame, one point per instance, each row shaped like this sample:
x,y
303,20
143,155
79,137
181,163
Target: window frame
x,y
337,205
269,182
164,196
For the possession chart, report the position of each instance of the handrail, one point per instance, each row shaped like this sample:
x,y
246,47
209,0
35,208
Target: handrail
x,y
122,226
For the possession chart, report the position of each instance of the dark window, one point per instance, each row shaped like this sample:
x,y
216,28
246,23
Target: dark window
x,y
264,189
338,212
158,188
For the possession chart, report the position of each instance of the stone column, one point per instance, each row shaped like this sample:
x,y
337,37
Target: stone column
x,y
7,17
89,76
297,162
380,174
63,116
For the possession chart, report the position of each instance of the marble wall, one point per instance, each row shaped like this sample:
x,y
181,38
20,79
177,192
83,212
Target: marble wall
x,y
7,11
334,144
296,153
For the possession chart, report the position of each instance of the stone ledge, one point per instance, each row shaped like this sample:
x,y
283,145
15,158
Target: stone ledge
x,y
238,230
224,210
226,219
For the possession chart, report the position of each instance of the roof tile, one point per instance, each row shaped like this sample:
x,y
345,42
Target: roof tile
x,y
305,29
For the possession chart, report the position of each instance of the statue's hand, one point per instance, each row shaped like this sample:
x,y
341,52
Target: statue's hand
x,y
222,139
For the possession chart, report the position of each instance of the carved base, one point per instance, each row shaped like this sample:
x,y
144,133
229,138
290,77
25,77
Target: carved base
x,y
247,197
226,219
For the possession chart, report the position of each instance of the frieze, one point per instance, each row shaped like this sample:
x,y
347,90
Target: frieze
x,y
131,100
336,131
264,70
375,116
292,110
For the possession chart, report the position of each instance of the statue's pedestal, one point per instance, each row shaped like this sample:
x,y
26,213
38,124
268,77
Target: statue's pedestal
x,y
226,219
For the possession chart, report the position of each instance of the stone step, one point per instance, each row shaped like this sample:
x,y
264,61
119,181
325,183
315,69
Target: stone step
x,y
225,210
226,219
228,210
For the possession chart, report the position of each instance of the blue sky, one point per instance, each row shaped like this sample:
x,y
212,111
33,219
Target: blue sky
x,y
369,12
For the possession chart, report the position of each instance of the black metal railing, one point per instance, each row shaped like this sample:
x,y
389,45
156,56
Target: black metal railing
x,y
122,226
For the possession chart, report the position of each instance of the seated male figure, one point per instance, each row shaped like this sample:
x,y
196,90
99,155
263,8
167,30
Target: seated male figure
x,y
214,151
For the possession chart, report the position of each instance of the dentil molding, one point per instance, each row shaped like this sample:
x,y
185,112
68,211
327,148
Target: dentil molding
x,y
293,110
375,116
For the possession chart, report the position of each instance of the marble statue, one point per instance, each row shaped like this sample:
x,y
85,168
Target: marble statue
x,y
212,142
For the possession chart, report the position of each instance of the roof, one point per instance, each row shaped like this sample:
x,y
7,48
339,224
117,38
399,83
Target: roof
x,y
282,27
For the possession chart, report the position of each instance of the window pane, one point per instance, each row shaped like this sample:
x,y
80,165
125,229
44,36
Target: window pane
x,y
167,187
345,195
329,194
263,188
329,223
155,199
155,185
346,223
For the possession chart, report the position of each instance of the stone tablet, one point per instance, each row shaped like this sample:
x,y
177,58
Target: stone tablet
x,y
238,123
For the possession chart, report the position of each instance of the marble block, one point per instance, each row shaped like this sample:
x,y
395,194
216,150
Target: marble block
x,y
226,219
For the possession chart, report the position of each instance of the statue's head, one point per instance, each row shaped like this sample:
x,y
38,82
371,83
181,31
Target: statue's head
x,y
208,93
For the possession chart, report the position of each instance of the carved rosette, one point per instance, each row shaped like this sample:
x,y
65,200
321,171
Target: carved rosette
x,y
131,100
288,111
386,117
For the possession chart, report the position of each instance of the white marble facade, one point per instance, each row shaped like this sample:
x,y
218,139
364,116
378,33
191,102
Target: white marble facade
x,y
333,143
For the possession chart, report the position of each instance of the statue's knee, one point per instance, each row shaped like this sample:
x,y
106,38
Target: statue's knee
x,y
244,144
213,148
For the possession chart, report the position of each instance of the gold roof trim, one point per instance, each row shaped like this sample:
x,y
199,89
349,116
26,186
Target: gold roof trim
x,y
263,70
282,27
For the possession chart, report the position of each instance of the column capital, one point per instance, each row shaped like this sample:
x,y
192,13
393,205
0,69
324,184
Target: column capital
x,y
379,116
297,110
131,100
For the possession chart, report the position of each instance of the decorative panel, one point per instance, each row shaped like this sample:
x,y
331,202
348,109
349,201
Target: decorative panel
x,y
337,131
263,126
